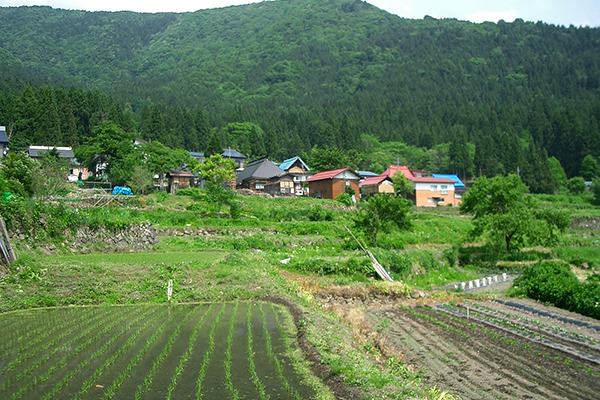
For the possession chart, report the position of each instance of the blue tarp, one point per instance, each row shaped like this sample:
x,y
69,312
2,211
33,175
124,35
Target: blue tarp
x,y
122,190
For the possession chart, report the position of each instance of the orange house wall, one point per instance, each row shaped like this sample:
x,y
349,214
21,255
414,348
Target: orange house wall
x,y
423,195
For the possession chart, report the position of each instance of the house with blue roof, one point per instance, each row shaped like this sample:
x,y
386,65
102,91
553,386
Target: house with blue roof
x,y
298,171
238,158
459,187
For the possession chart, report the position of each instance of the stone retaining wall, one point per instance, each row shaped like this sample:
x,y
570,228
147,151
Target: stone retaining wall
x,y
585,223
134,236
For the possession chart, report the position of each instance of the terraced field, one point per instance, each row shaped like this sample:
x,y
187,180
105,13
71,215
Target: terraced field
x,y
239,350
497,350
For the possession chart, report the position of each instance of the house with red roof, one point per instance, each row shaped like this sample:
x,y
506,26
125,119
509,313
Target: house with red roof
x,y
428,191
330,184
376,184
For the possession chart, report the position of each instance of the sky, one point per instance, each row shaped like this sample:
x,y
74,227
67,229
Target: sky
x,y
559,12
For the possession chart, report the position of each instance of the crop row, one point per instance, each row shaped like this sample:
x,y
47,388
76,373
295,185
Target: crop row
x,y
118,352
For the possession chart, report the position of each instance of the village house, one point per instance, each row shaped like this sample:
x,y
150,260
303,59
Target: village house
x,y
179,180
299,172
330,184
257,174
3,141
281,186
238,158
428,191
76,170
376,184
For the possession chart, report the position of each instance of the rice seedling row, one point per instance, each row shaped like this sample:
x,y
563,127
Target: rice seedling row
x,y
44,376
96,374
235,350
252,367
278,365
47,355
101,351
111,390
34,338
184,359
16,323
233,393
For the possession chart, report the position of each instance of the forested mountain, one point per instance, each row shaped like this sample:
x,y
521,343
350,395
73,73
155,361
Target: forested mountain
x,y
293,74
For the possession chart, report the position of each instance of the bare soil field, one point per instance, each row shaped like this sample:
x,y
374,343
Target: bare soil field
x,y
496,349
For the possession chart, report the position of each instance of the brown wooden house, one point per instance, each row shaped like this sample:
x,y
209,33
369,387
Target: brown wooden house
x,y
330,184
179,180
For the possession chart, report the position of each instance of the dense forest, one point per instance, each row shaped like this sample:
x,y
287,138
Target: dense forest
x,y
281,77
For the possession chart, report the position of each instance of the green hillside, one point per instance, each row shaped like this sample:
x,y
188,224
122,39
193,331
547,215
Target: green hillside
x,y
322,73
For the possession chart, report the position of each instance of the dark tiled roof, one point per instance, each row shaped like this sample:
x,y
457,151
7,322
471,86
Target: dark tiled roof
x,y
231,153
261,169
38,151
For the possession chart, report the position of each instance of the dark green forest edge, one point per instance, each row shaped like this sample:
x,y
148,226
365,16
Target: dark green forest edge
x,y
475,99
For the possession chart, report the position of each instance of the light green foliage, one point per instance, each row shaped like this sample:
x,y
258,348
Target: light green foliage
x,y
502,208
50,178
159,158
345,199
590,169
576,185
379,213
558,173
216,171
402,186
141,180
18,171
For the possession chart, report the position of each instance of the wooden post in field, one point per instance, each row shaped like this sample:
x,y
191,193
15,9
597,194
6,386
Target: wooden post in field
x,y
10,252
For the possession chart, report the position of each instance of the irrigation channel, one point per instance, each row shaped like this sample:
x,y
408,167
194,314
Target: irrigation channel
x,y
496,350
242,350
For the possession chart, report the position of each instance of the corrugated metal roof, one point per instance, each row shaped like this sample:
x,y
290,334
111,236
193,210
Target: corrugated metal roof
x,y
180,173
432,180
38,151
329,174
457,182
366,174
374,180
394,169
287,164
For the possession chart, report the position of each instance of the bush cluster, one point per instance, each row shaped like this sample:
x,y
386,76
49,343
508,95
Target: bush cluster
x,y
554,283
352,266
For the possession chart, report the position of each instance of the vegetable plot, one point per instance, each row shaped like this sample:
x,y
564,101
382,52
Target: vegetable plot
x,y
226,350
487,350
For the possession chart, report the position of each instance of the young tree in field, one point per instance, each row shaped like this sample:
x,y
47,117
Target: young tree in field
x,y
558,174
17,171
216,171
140,180
379,213
503,209
160,159
51,178
402,186
114,149
576,185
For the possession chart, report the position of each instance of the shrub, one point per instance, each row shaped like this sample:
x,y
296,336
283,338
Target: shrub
x,y
554,283
318,213
576,185
345,199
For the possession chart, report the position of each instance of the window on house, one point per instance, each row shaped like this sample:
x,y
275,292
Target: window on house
x,y
433,188
430,200
444,189
259,186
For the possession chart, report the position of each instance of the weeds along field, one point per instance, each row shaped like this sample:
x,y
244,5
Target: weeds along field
x,y
201,351
497,349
